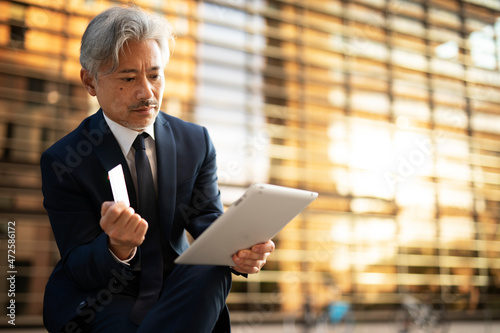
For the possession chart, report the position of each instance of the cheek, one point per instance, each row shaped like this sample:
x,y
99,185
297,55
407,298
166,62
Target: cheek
x,y
159,89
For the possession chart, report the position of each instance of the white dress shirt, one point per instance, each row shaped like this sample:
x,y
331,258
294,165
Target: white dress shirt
x,y
126,137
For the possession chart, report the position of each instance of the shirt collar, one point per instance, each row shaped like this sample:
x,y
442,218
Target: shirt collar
x,y
126,136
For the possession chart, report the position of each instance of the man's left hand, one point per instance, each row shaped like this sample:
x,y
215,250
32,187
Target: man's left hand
x,y
250,261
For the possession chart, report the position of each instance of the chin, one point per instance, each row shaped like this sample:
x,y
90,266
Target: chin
x,y
137,121
138,125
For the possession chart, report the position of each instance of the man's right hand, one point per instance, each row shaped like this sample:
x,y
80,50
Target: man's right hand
x,y
126,229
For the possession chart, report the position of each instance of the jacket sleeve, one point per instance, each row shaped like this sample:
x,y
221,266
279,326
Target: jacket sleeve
x,y
74,215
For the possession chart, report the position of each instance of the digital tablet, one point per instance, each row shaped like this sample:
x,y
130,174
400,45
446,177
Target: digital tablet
x,y
257,216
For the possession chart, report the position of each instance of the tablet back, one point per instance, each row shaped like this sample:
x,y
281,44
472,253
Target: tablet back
x,y
261,212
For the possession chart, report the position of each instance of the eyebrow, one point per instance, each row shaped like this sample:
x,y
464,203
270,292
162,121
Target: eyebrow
x,y
132,70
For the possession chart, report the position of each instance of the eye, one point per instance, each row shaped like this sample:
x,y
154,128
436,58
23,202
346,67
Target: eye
x,y
156,76
128,79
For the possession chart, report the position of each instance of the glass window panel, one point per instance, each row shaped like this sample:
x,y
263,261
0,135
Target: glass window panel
x,y
482,48
405,25
4,35
374,229
447,50
370,49
409,59
369,145
369,184
455,197
416,194
446,67
337,97
228,95
223,14
415,200
412,156
479,75
411,89
321,58
488,3
376,3
39,18
406,7
370,102
483,122
446,168
416,232
441,35
473,24
364,14
222,35
456,229
412,109
449,116
451,147
444,17
221,95
218,53
225,74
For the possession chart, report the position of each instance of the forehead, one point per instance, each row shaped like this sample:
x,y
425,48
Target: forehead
x,y
140,53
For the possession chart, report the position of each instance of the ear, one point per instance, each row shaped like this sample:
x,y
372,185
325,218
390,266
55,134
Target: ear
x,y
88,81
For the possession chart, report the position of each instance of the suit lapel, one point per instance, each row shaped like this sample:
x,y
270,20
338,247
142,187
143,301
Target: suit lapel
x,y
167,172
109,153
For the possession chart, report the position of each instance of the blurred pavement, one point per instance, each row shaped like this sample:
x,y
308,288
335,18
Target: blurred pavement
x,y
455,327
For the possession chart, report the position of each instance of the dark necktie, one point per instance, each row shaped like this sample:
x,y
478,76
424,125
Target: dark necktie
x,y
151,253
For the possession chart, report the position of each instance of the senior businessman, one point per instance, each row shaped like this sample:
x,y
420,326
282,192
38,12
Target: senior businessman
x,y
117,271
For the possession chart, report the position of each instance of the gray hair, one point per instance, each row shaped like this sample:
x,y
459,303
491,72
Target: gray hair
x,y
111,30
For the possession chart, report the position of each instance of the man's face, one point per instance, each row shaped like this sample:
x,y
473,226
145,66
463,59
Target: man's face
x,y
132,94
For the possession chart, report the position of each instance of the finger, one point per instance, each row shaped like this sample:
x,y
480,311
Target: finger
x,y
126,217
116,218
128,232
130,225
105,206
113,210
251,255
141,228
244,268
249,265
268,247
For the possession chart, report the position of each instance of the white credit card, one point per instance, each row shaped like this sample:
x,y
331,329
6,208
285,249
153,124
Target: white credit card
x,y
118,185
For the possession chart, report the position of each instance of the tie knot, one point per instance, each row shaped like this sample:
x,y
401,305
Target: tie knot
x,y
139,141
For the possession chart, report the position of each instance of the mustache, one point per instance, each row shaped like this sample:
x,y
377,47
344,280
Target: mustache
x,y
144,103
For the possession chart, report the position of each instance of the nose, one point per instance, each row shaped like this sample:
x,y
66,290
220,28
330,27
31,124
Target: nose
x,y
144,89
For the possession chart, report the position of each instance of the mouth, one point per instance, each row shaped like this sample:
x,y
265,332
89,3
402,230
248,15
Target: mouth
x,y
145,110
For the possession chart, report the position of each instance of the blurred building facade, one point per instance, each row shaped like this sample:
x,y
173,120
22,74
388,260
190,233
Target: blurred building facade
x,y
388,108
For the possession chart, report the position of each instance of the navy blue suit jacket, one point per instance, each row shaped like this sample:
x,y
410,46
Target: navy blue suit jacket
x,y
75,184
